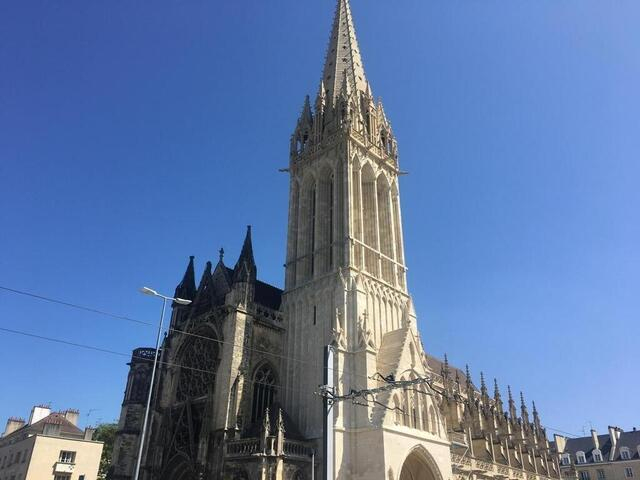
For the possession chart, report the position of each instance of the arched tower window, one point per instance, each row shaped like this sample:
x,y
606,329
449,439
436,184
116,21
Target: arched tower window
x,y
369,219
434,425
264,391
197,361
425,416
385,228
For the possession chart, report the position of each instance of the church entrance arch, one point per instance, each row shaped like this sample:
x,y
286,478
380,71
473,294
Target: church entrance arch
x,y
179,468
419,465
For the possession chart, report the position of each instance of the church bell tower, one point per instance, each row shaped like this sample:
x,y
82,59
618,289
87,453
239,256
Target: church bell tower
x,y
345,280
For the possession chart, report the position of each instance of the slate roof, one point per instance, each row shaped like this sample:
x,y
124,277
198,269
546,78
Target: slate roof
x,y
265,294
630,440
67,429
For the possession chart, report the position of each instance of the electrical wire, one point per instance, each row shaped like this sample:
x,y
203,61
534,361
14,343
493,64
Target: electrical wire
x,y
315,364
73,305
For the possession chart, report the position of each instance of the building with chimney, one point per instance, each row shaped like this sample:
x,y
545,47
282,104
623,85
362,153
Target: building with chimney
x,y
612,456
241,365
50,446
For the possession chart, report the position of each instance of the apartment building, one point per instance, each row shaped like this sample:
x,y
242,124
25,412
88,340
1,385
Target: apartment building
x,y
50,446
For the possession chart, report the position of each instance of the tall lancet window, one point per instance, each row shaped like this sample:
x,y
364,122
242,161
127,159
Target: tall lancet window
x,y
312,230
385,226
357,215
397,228
264,391
330,221
294,213
369,219
325,210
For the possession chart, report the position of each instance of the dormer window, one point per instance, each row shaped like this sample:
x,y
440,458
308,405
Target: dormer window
x,y
580,457
566,459
597,455
624,453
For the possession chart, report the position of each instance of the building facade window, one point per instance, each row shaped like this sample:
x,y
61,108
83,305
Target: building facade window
x,y
601,475
264,391
628,472
67,457
624,453
566,459
597,455
584,475
580,457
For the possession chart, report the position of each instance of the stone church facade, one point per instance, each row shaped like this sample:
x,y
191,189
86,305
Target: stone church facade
x,y
236,396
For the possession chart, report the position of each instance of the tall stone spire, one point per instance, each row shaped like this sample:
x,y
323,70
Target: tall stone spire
x,y
245,269
187,287
343,56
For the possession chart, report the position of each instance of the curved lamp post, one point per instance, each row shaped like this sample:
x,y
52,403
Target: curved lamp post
x,y
180,301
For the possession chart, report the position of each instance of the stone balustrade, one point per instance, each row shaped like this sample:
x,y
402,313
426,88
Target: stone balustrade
x,y
483,468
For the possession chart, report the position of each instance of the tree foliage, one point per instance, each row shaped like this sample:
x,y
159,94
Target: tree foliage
x,y
105,432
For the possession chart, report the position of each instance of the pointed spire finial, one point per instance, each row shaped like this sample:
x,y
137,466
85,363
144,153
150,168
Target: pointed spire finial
x,y
221,254
483,385
343,55
497,398
245,269
513,413
187,287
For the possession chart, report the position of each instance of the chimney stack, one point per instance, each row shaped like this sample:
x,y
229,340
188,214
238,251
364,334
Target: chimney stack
x,y
613,436
88,433
72,415
13,424
38,413
561,442
594,436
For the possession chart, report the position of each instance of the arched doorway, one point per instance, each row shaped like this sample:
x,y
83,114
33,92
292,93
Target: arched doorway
x,y
418,466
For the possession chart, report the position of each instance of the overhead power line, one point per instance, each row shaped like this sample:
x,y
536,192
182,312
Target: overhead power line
x,y
122,354
73,305
316,364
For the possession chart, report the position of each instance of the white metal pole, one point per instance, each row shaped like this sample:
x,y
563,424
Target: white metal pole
x,y
153,376
328,425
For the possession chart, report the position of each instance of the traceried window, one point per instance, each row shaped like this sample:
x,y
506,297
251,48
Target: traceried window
x,y
264,391
197,372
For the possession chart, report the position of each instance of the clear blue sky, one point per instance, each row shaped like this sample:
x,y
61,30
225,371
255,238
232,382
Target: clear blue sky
x,y
134,134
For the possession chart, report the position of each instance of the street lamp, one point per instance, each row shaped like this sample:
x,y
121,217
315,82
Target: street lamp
x,y
180,301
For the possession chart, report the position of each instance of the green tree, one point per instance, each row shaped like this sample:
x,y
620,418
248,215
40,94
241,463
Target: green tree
x,y
105,432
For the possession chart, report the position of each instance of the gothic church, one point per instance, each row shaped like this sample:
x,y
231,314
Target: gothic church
x,y
236,395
